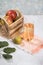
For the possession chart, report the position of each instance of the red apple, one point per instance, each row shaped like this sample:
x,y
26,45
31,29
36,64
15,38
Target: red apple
x,y
12,14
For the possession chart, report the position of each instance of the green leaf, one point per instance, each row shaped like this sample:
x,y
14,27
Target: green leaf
x,y
6,56
9,50
3,44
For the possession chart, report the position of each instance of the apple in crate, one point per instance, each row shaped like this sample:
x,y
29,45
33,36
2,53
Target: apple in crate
x,y
9,19
12,14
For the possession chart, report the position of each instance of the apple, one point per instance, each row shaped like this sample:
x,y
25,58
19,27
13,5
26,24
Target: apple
x,y
12,14
9,20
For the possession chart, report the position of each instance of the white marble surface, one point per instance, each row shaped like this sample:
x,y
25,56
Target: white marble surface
x,y
20,57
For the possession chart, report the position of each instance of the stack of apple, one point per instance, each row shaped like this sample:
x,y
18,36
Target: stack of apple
x,y
11,16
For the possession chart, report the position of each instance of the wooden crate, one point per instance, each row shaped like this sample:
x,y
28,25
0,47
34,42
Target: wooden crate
x,y
14,28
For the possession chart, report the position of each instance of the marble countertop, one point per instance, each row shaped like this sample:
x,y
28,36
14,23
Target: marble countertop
x,y
21,57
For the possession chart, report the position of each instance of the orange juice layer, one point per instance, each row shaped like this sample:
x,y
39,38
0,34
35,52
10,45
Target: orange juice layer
x,y
28,32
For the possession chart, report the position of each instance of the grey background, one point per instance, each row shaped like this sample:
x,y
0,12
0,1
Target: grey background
x,y
26,6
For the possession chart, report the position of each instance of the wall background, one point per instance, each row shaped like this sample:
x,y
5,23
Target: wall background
x,y
26,6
